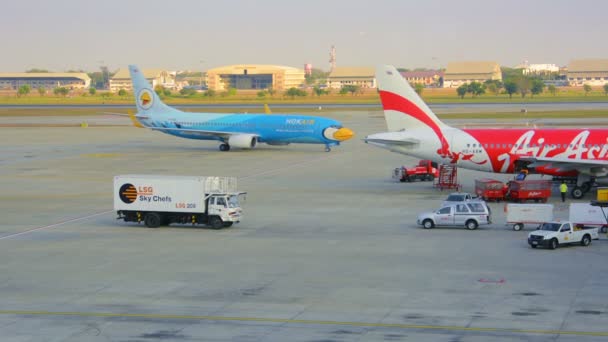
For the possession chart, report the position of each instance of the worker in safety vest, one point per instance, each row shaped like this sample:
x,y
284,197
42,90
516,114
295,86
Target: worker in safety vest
x,y
563,189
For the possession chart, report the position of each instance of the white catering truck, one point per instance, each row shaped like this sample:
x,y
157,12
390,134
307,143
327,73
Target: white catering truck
x,y
162,200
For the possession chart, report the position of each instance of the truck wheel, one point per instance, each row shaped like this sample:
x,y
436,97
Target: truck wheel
x,y
427,224
215,222
586,241
152,220
227,224
604,229
553,244
431,178
533,246
518,226
471,225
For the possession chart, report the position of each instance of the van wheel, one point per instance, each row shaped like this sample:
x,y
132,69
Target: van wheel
x,y
518,226
471,225
227,224
152,220
427,224
553,244
586,241
533,246
604,229
215,222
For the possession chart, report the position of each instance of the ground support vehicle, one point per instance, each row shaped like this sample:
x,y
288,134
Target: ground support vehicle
x,y
589,215
519,215
555,233
490,189
426,170
466,214
522,191
162,200
448,178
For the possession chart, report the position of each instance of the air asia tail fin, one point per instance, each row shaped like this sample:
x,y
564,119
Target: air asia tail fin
x,y
146,100
403,108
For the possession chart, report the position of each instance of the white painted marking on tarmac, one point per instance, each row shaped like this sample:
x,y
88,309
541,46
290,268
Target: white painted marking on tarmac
x,y
55,224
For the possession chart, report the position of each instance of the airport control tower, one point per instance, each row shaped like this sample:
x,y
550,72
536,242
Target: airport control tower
x,y
332,58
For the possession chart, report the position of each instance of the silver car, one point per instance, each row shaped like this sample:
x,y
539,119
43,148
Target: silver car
x,y
465,214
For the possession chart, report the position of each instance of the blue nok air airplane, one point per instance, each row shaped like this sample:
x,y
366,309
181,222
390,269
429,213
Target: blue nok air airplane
x,y
232,130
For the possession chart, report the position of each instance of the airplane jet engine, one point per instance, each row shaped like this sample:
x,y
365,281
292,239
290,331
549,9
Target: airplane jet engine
x,y
243,141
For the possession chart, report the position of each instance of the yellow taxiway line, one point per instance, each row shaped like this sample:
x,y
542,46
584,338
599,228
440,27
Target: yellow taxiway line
x,y
302,321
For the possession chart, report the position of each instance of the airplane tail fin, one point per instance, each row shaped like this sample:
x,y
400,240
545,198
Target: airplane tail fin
x,y
146,99
403,108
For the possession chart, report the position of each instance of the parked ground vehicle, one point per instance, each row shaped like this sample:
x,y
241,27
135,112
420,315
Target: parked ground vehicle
x,y
588,215
522,191
554,233
490,189
459,197
466,214
162,200
520,214
426,170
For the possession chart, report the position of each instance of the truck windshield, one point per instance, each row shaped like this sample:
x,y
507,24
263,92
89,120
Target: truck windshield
x,y
233,201
551,226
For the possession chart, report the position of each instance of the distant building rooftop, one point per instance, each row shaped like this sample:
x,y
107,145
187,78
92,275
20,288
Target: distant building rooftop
x,y
352,72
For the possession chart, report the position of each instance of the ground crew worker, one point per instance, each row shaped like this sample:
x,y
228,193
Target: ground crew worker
x,y
563,189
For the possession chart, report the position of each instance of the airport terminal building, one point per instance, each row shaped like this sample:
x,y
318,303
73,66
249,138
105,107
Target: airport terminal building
x,y
47,80
122,79
363,77
459,73
593,72
254,77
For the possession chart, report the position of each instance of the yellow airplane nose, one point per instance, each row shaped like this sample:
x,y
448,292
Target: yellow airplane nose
x,y
343,134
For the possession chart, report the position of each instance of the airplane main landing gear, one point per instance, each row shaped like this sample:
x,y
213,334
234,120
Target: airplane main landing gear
x,y
224,147
579,191
327,148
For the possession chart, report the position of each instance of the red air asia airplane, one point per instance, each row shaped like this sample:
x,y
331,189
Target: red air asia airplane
x,y
416,131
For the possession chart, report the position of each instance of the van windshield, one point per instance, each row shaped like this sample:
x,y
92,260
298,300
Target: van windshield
x,y
455,198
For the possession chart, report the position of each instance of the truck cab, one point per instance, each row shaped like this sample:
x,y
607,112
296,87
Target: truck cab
x,y
225,206
555,233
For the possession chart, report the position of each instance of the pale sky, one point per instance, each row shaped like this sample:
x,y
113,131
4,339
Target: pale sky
x,y
198,34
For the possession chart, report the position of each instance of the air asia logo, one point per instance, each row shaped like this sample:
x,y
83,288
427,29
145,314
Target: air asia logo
x,y
127,193
145,98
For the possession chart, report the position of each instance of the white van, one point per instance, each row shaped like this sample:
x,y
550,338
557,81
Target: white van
x,y
466,214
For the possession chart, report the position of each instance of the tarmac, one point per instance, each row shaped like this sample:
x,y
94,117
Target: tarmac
x,y
328,249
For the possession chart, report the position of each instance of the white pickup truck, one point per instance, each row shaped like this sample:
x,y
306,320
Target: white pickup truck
x,y
555,233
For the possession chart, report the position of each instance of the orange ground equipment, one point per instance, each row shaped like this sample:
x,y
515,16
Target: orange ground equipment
x,y
522,191
490,189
